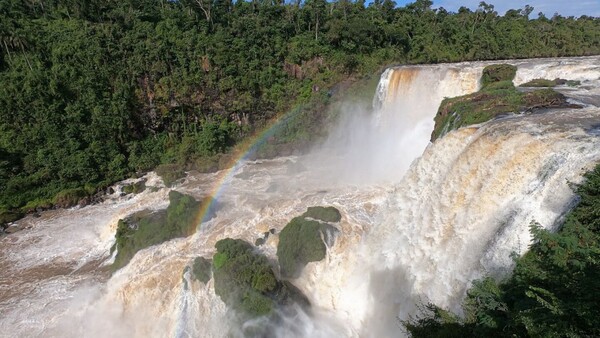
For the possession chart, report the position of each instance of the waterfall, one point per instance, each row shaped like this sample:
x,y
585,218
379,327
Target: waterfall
x,y
379,147
420,221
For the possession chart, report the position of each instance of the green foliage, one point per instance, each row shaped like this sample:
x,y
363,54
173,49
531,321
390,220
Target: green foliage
x,y
219,259
553,291
483,306
435,322
170,173
301,240
202,269
497,73
245,281
92,93
147,228
325,214
540,83
495,98
71,197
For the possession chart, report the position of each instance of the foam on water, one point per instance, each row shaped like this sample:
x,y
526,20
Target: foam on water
x,y
419,222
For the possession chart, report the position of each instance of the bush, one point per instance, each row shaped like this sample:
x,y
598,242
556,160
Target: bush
x,y
37,204
70,197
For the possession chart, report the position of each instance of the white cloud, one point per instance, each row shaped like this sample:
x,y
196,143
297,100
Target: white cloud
x,y
548,7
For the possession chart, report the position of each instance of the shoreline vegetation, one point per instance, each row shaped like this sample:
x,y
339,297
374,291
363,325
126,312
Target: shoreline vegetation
x,y
552,291
95,92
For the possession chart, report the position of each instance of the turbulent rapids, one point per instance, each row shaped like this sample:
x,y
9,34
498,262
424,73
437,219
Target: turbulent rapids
x,y
420,220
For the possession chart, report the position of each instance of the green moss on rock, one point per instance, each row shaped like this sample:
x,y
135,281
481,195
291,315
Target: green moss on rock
x,y
550,83
302,242
170,173
146,228
497,73
246,282
71,197
202,269
325,214
543,98
135,188
494,99
8,216
540,83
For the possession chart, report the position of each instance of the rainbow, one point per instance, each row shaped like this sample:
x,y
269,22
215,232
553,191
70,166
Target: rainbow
x,y
240,154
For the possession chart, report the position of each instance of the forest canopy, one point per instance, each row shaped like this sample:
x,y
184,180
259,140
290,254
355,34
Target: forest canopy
x,y
94,91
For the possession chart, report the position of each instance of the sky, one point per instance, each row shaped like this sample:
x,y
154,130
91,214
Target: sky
x,y
548,7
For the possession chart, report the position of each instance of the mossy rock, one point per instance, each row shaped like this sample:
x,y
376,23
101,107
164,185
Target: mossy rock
x,y
70,197
202,269
543,98
540,83
170,173
325,214
146,228
9,216
206,164
246,282
36,205
550,83
260,241
135,188
498,73
300,242
495,99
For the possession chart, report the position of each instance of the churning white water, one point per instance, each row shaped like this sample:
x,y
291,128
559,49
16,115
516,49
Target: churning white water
x,y
420,221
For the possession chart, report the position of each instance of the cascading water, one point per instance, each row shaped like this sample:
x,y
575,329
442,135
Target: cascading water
x,y
420,221
375,148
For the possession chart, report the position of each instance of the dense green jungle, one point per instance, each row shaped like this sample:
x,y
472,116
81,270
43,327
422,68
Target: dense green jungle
x,y
93,92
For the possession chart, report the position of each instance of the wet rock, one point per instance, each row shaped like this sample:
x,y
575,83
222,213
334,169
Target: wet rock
x,y
202,269
246,282
305,239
